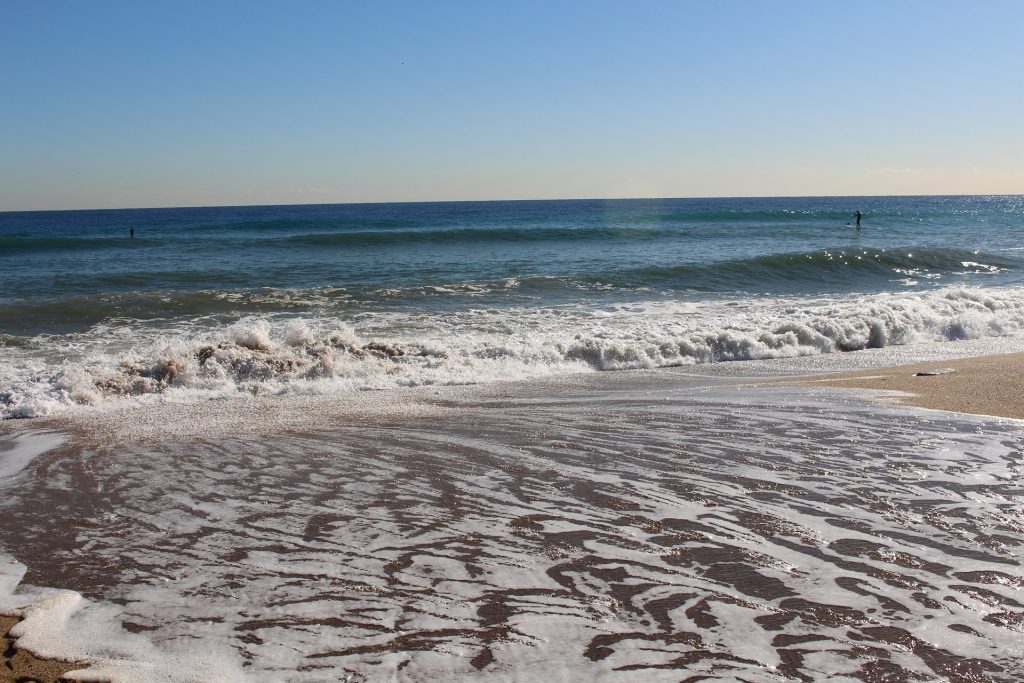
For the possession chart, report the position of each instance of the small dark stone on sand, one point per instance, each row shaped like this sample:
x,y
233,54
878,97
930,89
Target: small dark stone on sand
x,y
932,373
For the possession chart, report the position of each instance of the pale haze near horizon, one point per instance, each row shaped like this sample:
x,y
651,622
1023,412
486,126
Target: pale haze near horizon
x,y
122,104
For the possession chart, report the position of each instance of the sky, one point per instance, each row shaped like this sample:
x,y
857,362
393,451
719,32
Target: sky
x,y
111,103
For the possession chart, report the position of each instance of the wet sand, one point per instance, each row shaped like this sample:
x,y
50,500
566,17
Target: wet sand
x,y
986,385
675,523
19,665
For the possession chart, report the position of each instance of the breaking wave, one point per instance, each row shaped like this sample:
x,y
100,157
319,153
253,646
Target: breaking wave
x,y
274,356
193,293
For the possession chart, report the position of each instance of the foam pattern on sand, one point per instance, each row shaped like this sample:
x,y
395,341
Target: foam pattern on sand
x,y
62,625
611,535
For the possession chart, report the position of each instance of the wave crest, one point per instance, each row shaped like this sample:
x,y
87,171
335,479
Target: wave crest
x,y
258,356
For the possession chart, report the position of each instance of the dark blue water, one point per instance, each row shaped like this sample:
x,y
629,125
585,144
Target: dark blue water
x,y
78,267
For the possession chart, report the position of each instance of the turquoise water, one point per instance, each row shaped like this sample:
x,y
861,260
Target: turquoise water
x,y
546,284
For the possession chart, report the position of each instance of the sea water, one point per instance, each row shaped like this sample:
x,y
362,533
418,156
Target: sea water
x,y
208,302
207,490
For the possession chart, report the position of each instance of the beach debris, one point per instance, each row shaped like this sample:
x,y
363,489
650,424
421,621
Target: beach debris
x,y
931,373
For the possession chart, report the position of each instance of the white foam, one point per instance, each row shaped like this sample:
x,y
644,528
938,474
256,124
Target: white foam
x,y
20,450
191,361
572,513
61,624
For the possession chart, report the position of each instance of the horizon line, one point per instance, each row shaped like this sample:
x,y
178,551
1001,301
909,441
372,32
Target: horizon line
x,y
521,199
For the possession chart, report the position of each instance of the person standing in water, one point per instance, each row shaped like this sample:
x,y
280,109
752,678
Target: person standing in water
x,y
131,231
857,216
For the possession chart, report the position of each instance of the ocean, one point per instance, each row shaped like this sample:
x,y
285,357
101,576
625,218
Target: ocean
x,y
510,440
209,302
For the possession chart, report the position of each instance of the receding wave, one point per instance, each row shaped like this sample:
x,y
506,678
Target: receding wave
x,y
386,351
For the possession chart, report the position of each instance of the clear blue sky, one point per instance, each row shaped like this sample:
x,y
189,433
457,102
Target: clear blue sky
x,y
139,103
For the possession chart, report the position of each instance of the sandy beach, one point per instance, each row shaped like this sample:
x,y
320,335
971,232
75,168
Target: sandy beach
x,y
987,385
471,503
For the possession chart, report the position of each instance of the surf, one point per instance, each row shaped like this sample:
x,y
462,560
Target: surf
x,y
268,355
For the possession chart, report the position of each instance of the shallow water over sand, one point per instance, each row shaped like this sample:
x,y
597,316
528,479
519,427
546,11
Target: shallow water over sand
x,y
654,530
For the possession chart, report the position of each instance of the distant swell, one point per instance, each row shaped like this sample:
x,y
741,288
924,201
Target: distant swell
x,y
472,235
18,246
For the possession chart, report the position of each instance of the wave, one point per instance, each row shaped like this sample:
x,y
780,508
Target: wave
x,y
255,356
360,234
21,318
328,222
225,293
19,246
734,216
14,341
79,313
835,266
471,234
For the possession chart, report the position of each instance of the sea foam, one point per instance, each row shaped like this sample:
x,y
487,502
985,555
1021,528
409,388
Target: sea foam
x,y
385,350
62,624
653,529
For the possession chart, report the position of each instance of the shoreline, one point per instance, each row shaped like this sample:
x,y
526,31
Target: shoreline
x,y
976,378
979,385
983,385
18,664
